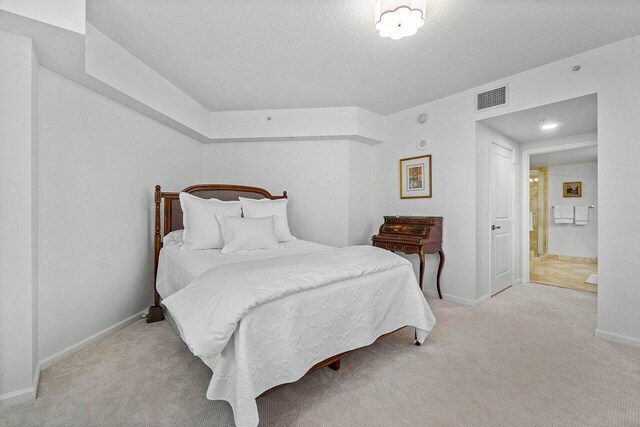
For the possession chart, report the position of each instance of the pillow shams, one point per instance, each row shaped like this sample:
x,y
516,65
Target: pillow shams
x,y
201,227
246,234
252,208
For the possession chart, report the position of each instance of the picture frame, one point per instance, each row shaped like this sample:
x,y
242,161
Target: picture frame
x,y
572,189
415,177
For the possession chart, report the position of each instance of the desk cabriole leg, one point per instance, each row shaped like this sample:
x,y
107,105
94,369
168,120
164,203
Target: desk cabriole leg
x,y
440,265
421,255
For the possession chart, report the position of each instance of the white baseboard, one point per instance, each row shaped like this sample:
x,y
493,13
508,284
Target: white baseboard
x,y
518,281
456,299
17,397
483,299
36,381
619,338
29,393
63,354
24,395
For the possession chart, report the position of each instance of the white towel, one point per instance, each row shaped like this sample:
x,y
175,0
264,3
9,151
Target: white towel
x,y
563,214
582,215
557,214
568,214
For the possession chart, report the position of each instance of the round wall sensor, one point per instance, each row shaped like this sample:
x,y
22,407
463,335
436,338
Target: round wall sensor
x,y
422,118
421,144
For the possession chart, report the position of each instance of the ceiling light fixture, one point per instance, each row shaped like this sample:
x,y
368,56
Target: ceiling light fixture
x,y
547,126
396,19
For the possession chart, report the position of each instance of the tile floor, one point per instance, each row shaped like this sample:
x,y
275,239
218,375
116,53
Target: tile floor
x,y
565,273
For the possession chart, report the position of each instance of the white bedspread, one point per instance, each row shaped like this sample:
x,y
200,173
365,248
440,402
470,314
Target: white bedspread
x,y
258,324
179,266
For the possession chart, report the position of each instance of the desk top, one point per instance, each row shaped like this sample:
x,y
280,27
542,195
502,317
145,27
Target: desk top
x,y
418,230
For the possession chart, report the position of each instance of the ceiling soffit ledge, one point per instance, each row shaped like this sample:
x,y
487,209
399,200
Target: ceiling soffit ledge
x,y
95,61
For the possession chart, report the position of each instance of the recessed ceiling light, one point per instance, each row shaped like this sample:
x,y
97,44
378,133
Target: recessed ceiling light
x,y
547,126
399,18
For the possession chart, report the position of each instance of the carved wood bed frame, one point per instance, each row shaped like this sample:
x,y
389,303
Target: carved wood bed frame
x,y
170,219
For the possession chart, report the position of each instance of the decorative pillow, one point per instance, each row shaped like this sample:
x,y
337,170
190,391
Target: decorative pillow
x,y
201,227
261,208
247,234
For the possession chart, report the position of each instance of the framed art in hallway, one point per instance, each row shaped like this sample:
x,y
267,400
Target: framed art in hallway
x,y
415,177
572,189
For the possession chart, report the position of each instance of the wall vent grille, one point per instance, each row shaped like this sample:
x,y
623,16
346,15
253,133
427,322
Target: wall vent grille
x,y
491,98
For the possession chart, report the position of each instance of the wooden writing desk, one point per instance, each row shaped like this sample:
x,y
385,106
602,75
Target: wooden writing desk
x,y
413,235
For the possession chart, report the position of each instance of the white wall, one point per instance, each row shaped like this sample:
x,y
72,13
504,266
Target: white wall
x,y
99,162
571,239
361,191
314,173
450,133
18,218
611,72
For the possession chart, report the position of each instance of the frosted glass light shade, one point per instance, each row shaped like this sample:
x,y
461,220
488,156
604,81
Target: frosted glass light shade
x,y
396,19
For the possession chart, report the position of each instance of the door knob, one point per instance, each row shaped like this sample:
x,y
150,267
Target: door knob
x,y
495,227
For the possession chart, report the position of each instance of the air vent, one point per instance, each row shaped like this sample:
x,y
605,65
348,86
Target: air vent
x,y
491,98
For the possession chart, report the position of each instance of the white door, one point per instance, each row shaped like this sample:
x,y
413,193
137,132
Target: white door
x,y
501,171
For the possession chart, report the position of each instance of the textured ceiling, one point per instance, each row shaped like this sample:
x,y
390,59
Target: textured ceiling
x,y
574,117
244,55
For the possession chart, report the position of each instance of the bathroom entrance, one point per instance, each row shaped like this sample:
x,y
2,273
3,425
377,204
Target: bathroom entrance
x,y
557,196
563,218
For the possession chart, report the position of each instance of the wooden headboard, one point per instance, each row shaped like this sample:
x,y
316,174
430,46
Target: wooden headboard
x,y
169,218
172,217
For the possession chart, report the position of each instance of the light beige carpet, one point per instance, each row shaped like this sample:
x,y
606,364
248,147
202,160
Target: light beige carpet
x,y
525,358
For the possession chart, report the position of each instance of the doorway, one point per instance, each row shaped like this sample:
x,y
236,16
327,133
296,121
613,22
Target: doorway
x,y
554,227
563,201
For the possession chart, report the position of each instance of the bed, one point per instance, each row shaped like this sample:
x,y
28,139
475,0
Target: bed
x,y
262,319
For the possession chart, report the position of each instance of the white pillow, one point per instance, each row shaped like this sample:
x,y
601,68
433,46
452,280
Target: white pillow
x,y
172,239
252,208
201,227
247,234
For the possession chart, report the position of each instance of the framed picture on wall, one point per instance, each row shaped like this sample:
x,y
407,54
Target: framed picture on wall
x,y
415,177
572,189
